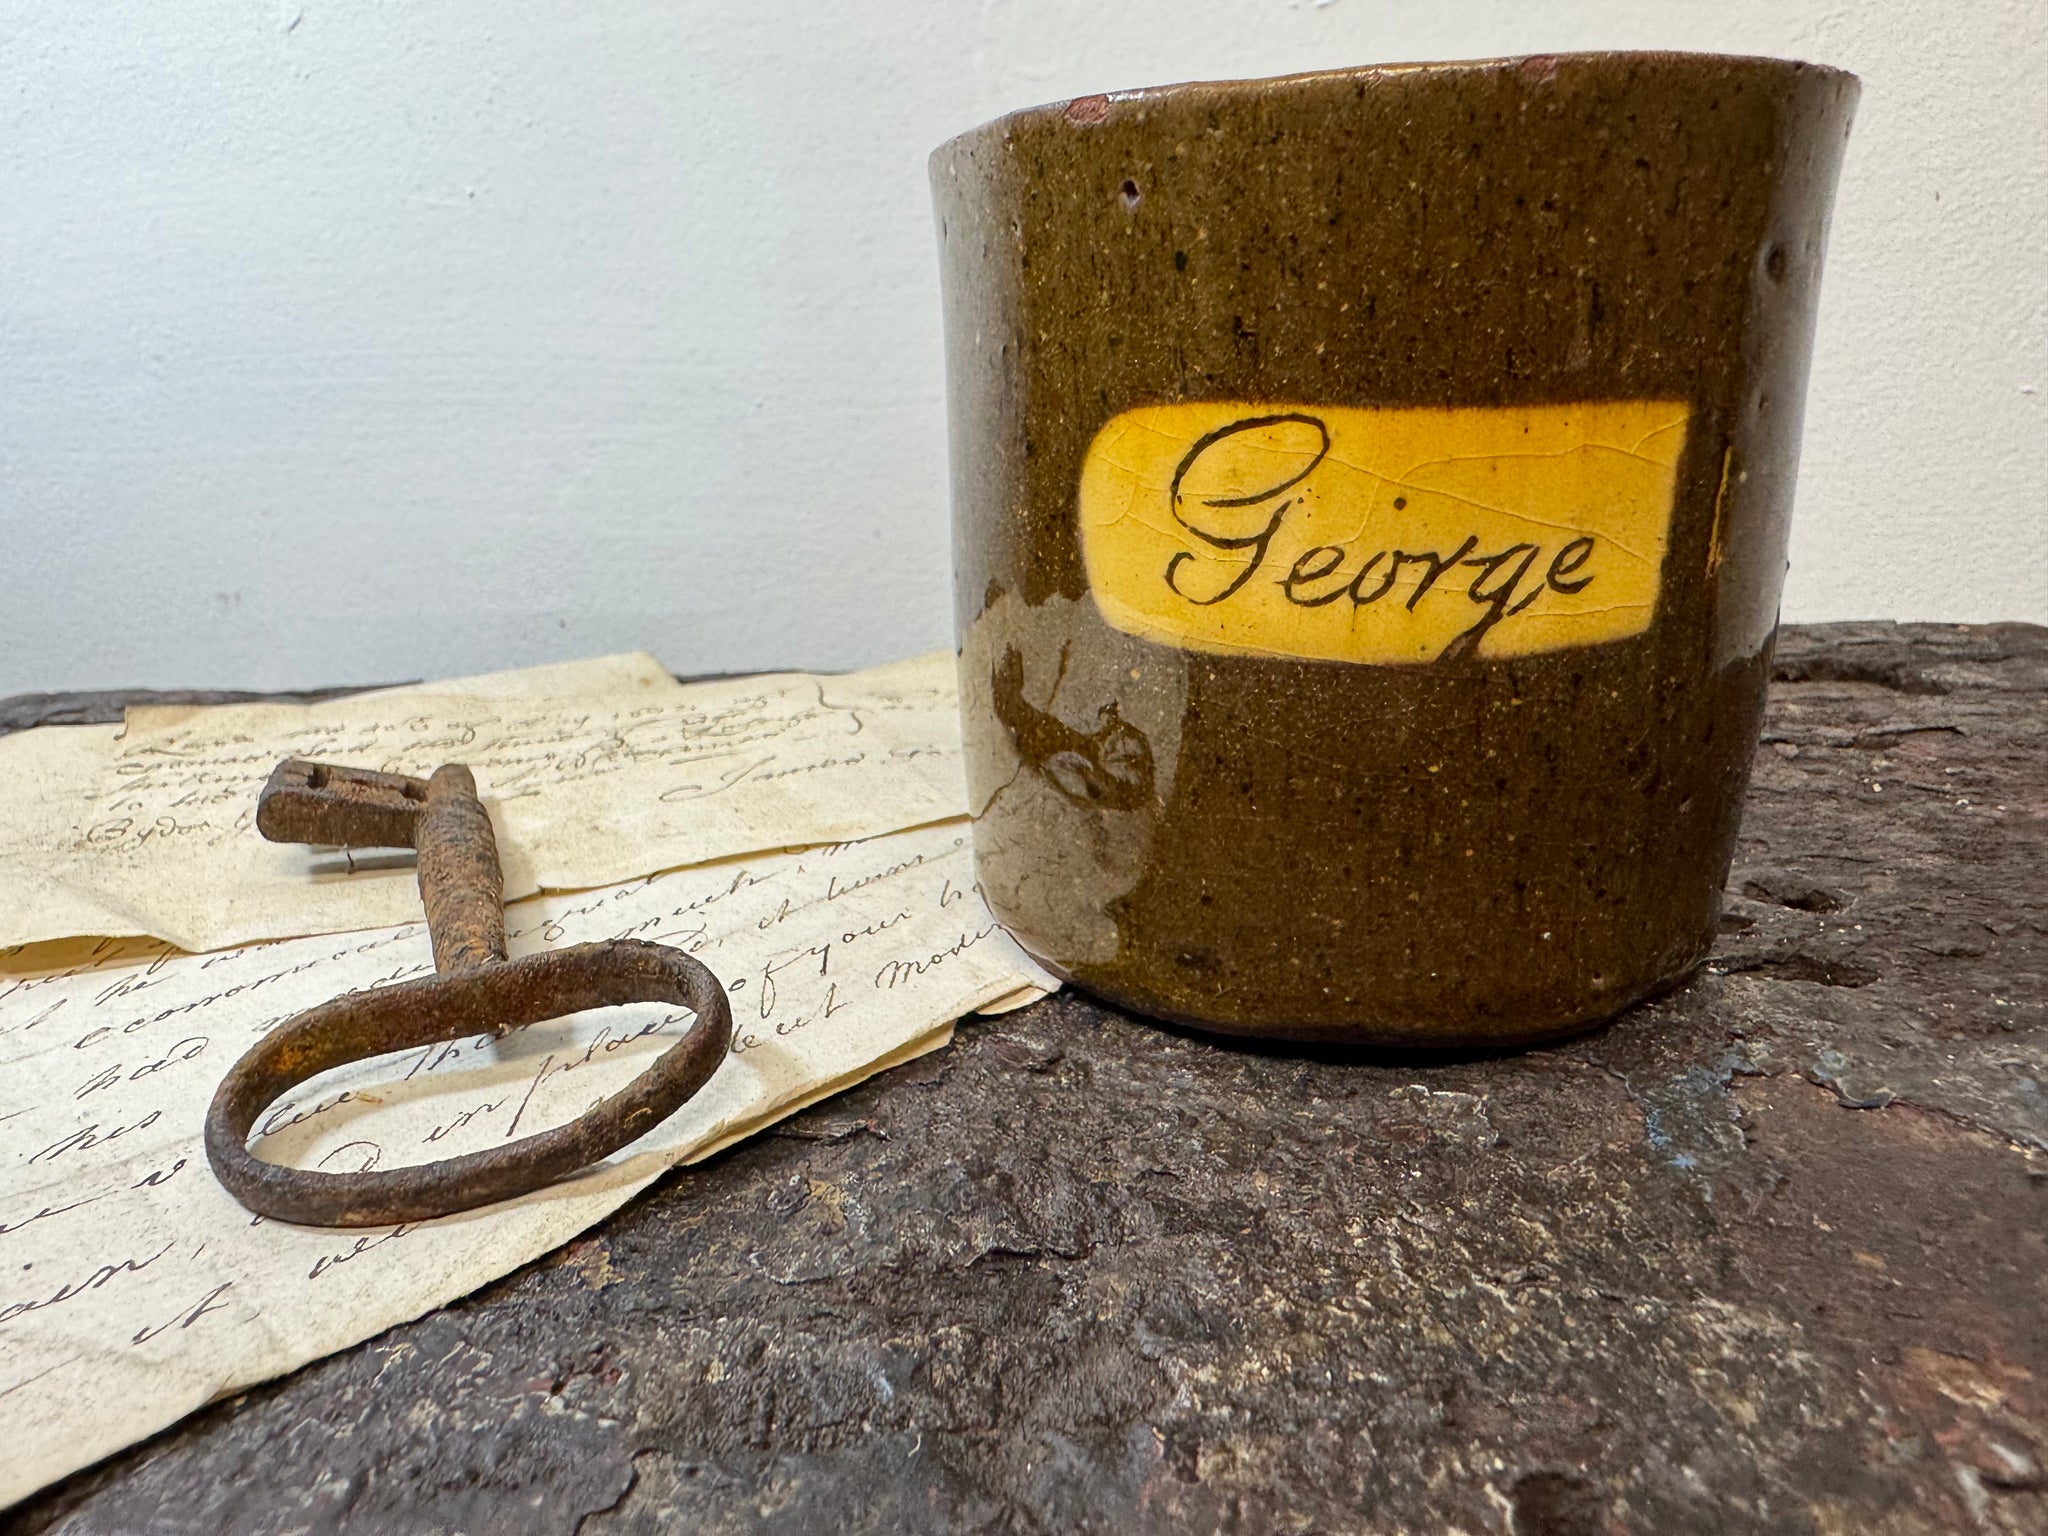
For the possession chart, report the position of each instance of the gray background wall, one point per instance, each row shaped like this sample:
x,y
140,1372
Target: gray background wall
x,y
345,342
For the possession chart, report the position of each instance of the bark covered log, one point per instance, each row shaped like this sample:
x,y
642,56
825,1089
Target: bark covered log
x,y
1766,1255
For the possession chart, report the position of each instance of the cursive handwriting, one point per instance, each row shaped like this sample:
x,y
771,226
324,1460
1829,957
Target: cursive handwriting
x,y
103,1164
898,971
1505,581
76,1288
197,781
186,1316
44,1214
356,1249
92,1136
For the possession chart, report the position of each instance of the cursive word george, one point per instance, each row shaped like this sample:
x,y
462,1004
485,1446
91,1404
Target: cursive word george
x,y
1504,582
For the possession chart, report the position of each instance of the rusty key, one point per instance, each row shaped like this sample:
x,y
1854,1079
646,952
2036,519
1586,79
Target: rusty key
x,y
476,990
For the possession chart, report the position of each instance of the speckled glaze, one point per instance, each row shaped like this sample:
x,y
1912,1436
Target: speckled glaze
x,y
1471,851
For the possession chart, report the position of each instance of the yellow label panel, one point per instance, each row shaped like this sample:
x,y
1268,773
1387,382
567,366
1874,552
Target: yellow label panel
x,y
1344,533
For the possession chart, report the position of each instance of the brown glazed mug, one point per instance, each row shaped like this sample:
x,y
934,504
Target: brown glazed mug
x,y
1370,505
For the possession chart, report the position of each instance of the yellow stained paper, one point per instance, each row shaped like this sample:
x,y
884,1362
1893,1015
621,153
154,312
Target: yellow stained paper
x,y
593,773
1386,536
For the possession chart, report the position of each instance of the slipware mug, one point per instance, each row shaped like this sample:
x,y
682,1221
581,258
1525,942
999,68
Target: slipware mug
x,y
1370,494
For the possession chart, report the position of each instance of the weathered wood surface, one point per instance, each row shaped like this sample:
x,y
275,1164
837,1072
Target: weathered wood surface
x,y
1769,1255
19,711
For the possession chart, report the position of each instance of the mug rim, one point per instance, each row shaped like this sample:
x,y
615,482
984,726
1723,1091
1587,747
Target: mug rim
x,y
1079,113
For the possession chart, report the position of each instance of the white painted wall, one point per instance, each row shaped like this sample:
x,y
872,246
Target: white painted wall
x,y
343,342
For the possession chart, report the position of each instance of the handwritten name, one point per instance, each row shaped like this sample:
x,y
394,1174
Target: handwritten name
x,y
1504,582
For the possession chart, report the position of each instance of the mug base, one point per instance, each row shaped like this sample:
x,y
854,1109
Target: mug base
x,y
1435,1038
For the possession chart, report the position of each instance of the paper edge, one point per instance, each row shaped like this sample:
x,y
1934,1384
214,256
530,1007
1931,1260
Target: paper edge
x,y
626,1190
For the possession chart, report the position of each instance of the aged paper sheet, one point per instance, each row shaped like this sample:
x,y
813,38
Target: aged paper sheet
x,y
134,1290
149,829
53,884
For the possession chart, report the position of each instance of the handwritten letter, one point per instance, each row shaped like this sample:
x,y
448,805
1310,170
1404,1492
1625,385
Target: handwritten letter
x,y
150,830
133,1289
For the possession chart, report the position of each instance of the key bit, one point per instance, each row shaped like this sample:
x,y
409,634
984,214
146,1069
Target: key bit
x,y
475,990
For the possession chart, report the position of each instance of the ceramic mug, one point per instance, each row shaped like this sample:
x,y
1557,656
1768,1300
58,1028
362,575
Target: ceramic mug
x,y
1370,500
